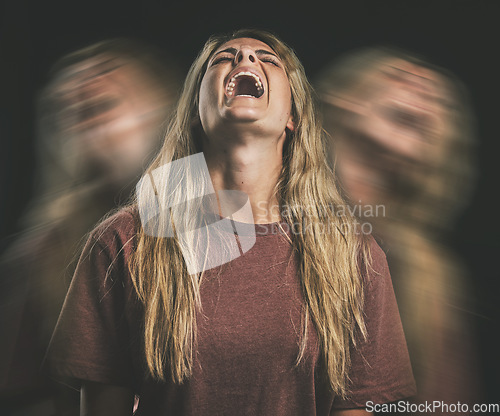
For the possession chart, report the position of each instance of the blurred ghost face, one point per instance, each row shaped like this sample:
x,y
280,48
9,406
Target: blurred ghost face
x,y
107,116
395,134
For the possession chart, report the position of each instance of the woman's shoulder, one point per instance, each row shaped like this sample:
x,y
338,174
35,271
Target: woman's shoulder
x,y
118,229
377,254
375,269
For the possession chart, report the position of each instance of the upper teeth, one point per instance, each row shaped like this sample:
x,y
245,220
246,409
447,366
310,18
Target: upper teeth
x,y
231,84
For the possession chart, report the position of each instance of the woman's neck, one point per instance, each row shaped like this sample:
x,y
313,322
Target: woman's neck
x,y
253,168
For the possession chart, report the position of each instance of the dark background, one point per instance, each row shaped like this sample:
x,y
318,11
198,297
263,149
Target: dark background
x,y
461,35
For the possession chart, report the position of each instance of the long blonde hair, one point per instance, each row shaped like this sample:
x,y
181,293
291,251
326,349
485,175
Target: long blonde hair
x,y
332,288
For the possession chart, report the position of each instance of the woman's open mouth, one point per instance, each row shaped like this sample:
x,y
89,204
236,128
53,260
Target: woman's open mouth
x,y
245,84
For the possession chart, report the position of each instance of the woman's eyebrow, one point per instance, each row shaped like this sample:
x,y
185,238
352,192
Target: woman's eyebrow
x,y
228,50
421,77
265,52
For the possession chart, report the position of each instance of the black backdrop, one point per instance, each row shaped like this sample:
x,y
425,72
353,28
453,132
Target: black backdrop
x,y
461,35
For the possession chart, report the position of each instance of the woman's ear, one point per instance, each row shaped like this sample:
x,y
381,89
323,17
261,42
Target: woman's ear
x,y
290,125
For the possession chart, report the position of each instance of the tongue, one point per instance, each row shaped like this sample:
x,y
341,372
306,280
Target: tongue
x,y
245,85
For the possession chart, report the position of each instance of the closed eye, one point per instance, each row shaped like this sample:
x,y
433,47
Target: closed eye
x,y
271,60
222,58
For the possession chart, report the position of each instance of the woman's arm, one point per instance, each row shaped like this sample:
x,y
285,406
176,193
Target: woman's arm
x,y
105,400
351,412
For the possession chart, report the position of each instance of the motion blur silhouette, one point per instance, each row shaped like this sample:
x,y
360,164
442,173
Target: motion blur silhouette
x,y
403,140
100,121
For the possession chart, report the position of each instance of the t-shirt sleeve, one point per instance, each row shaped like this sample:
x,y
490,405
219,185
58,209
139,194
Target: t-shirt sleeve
x,y
91,340
380,366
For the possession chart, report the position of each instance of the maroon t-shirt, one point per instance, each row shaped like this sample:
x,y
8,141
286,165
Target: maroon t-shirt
x,y
248,334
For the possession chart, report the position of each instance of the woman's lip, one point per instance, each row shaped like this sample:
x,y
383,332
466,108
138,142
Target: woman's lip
x,y
237,70
244,96
230,99
233,97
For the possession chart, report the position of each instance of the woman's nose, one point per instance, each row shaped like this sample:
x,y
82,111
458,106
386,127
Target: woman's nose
x,y
245,54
